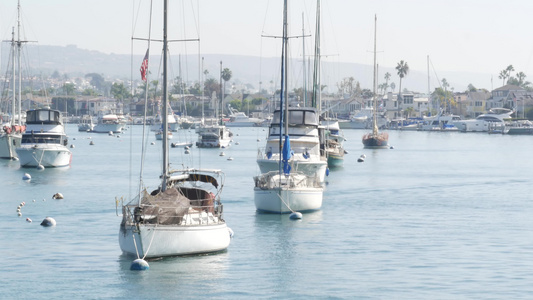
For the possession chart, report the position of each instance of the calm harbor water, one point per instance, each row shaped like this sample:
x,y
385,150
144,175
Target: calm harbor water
x,y
440,216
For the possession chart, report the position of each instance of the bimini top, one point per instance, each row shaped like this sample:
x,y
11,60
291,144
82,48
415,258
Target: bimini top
x,y
43,116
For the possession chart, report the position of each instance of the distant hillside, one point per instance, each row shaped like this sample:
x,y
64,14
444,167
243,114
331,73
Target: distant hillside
x,y
245,69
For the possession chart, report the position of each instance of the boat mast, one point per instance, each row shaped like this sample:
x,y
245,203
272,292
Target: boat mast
x,y
13,101
430,104
303,70
165,174
316,72
374,118
19,46
283,101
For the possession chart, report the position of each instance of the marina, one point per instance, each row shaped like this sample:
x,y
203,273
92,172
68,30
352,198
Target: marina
x,y
442,215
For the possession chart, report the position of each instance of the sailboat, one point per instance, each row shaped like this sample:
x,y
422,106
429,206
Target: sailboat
x,y
285,191
331,136
375,139
11,131
184,214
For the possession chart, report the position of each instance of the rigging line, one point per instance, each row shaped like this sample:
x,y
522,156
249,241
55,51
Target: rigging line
x,y
130,170
144,138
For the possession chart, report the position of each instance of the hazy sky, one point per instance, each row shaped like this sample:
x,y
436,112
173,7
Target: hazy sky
x,y
458,35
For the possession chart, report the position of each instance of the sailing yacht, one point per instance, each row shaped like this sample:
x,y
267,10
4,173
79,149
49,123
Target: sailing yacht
x,y
184,214
284,190
375,139
11,131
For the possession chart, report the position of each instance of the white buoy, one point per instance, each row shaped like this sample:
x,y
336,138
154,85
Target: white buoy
x,y
110,133
28,220
236,143
139,265
19,214
187,151
186,147
391,147
222,154
33,200
91,143
57,196
296,216
230,158
18,209
360,159
40,167
118,136
73,139
71,145
258,140
48,222
26,176
152,143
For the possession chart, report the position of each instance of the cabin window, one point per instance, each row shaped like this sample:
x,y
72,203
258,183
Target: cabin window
x,y
296,117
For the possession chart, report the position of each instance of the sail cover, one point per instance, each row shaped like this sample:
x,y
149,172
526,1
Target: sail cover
x,y
165,208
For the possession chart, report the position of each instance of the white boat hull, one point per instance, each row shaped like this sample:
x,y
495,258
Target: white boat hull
x,y
281,201
106,128
45,155
170,240
8,144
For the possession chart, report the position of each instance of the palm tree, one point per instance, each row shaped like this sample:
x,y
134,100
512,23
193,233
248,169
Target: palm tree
x,y
509,69
503,75
387,78
226,76
402,69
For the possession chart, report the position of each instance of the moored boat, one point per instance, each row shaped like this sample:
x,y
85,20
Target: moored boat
x,y
184,214
44,144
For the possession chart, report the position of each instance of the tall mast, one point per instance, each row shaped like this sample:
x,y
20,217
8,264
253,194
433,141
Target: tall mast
x,y
165,109
316,72
429,89
374,118
285,54
303,54
19,46
14,76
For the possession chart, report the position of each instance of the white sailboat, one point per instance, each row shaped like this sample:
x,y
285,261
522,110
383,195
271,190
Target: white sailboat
x,y
11,131
182,216
284,190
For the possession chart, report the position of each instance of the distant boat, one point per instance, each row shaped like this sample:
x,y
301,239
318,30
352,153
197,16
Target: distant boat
x,y
440,122
334,140
86,123
184,215
375,139
159,135
213,136
45,142
522,127
284,190
108,123
495,117
240,119
362,119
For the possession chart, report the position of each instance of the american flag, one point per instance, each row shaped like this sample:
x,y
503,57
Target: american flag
x,y
144,66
